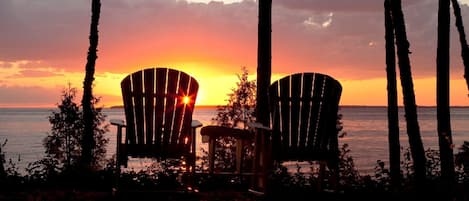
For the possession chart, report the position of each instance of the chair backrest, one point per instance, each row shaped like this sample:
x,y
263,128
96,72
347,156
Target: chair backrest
x,y
304,109
158,105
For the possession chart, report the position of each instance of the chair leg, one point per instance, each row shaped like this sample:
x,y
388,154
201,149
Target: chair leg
x,y
211,155
189,173
118,155
239,155
332,177
322,174
117,176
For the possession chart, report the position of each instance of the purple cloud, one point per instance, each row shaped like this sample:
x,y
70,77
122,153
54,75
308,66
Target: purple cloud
x,y
339,5
37,73
28,96
342,37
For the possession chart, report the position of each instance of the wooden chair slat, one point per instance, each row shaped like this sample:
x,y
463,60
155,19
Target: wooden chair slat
x,y
137,88
161,78
275,110
315,103
183,86
320,135
187,118
126,87
171,91
149,80
295,102
180,108
305,111
285,116
332,93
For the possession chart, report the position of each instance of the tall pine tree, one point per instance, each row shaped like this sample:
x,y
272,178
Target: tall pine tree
x,y
413,129
88,142
393,116
264,57
462,39
442,95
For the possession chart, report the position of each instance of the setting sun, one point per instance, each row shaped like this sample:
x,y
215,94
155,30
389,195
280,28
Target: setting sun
x,y
186,100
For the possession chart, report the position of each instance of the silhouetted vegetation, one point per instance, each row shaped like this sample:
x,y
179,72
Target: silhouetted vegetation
x,y
162,175
241,104
3,173
298,183
9,171
63,144
238,111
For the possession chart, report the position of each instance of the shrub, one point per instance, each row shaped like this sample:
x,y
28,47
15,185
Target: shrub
x,y
9,175
239,110
64,143
462,163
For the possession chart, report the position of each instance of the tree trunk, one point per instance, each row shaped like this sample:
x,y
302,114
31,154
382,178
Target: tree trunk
x,y
442,94
264,55
262,162
462,40
393,117
413,129
88,142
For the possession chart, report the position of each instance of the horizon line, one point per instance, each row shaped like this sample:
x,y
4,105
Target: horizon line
x,y
214,106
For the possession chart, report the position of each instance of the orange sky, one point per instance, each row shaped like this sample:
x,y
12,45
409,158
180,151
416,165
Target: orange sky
x,y
44,47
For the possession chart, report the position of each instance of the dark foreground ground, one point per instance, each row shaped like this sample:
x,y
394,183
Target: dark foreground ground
x,y
55,195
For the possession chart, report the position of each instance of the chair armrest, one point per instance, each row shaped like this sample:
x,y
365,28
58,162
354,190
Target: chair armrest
x,y
117,122
196,124
257,125
221,131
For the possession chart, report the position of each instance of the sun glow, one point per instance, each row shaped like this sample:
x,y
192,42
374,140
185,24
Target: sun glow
x,y
186,100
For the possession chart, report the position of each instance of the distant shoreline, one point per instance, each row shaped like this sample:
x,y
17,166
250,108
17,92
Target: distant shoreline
x,y
215,106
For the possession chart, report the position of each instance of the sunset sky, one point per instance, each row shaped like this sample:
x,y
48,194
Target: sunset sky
x,y
43,46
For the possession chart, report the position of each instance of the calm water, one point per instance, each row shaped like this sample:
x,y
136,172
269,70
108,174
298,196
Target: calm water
x,y
366,129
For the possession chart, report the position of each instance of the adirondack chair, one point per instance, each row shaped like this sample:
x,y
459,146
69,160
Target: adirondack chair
x,y
158,104
303,110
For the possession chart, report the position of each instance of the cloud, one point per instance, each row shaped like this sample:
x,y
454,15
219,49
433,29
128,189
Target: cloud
x,y
46,29
321,23
130,32
338,5
26,69
343,47
38,73
339,37
28,96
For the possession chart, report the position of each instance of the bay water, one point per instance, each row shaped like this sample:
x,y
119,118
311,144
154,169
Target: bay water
x,y
366,128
